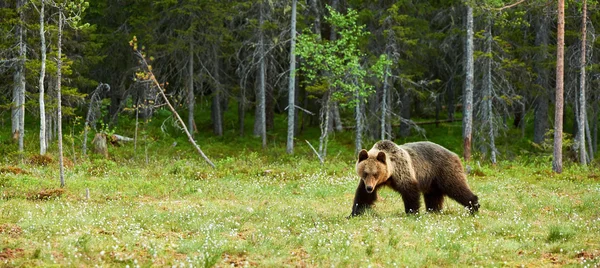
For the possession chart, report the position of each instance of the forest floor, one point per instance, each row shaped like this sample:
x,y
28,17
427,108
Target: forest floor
x,y
278,210
157,203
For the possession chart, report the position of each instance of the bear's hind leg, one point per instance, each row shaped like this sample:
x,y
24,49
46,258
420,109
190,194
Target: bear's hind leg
x,y
434,200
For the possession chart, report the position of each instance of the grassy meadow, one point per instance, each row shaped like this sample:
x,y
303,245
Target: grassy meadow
x,y
161,205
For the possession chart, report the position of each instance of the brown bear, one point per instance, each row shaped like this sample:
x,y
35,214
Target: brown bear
x,y
412,169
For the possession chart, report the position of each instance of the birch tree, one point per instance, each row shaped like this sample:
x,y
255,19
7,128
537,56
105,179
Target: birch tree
x,y
292,82
336,66
58,96
43,142
18,108
191,98
74,10
468,92
582,102
261,115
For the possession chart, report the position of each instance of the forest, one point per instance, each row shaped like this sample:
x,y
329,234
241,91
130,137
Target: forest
x,y
226,133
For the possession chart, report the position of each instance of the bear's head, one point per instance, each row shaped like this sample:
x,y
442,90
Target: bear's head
x,y
372,169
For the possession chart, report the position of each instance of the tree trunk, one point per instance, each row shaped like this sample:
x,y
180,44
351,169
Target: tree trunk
x,y
314,5
595,126
487,94
582,105
43,142
242,109
324,128
359,123
191,97
58,98
559,100
100,146
450,107
468,94
405,112
261,113
217,110
384,102
292,84
18,110
540,124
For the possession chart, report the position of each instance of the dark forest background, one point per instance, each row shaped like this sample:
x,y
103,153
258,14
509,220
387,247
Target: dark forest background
x,y
215,60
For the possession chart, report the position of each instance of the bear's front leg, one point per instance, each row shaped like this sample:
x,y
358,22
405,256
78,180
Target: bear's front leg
x,y
362,199
411,196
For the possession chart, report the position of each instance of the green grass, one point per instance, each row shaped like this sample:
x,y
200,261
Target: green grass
x,y
258,210
262,207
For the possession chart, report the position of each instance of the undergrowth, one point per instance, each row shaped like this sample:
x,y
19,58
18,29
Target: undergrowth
x,y
159,204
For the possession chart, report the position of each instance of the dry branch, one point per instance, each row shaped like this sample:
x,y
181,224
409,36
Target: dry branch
x,y
162,93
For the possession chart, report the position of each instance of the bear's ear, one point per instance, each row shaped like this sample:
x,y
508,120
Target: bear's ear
x,y
363,155
381,157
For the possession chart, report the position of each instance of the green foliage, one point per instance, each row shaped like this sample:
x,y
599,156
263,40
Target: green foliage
x,y
336,61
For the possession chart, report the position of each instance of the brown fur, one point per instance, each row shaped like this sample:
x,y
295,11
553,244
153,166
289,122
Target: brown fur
x,y
412,169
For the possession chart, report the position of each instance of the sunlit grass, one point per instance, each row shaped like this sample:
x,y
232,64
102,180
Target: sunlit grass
x,y
253,210
262,207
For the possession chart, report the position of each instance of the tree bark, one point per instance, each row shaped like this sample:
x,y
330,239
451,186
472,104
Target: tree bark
x,y
582,104
262,120
559,100
468,95
58,97
191,98
43,142
487,94
324,125
540,124
359,123
405,112
292,84
18,109
384,103
217,109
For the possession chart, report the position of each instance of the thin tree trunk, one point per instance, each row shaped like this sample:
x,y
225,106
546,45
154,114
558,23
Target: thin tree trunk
x,y
314,5
405,112
487,95
242,109
135,137
18,110
217,109
590,155
262,120
540,124
324,126
384,101
582,105
292,84
335,120
43,143
559,100
359,123
58,98
595,126
468,96
450,107
191,97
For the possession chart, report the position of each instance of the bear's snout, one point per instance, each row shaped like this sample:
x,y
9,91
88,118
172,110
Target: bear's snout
x,y
369,188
